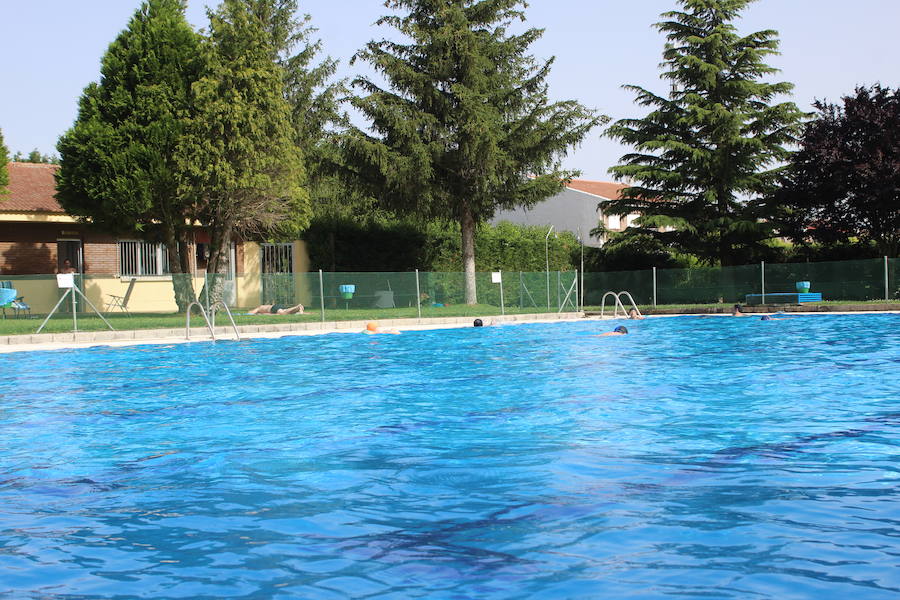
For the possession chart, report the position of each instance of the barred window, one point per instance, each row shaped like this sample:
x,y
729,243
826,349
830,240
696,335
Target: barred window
x,y
277,258
142,258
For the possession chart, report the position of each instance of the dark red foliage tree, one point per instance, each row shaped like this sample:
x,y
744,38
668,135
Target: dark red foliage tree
x,y
844,182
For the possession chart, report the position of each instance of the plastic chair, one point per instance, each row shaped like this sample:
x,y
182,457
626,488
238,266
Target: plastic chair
x,y
9,299
121,302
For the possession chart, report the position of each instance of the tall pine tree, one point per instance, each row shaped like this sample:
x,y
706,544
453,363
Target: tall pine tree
x,y
239,157
118,161
465,126
714,143
314,97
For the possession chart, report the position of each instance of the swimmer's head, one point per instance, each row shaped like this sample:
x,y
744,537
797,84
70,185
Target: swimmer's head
x,y
372,326
621,329
478,323
765,318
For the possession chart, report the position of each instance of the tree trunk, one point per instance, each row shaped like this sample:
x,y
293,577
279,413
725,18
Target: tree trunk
x,y
219,245
725,256
467,225
179,252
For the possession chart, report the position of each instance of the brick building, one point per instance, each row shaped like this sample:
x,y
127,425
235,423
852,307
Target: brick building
x,y
37,236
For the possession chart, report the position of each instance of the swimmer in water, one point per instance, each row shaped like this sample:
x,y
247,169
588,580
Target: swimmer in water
x,y
634,314
736,311
620,330
372,328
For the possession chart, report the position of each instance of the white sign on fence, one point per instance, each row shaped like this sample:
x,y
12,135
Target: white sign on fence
x,y
496,277
65,280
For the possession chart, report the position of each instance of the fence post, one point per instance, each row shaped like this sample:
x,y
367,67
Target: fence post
x,y
322,297
578,307
654,287
418,296
887,290
762,272
502,307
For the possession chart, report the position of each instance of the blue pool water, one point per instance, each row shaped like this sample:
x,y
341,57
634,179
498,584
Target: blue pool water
x,y
693,458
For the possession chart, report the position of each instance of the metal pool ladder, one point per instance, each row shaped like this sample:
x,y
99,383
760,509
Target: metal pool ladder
x,y
209,324
212,310
618,304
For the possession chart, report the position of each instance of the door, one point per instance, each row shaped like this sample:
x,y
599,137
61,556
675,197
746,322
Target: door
x,y
69,250
69,259
277,274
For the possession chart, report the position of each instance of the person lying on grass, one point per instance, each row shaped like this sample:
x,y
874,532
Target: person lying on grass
x,y
276,309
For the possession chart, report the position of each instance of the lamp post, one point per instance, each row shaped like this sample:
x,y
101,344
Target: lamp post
x,y
547,254
581,295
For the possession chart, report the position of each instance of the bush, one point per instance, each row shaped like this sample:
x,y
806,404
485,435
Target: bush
x,y
629,251
348,245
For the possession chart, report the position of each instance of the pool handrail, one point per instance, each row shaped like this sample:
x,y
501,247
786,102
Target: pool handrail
x,y
212,313
633,303
187,324
618,304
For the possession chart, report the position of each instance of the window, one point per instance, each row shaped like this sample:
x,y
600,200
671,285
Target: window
x,y
615,222
142,258
277,258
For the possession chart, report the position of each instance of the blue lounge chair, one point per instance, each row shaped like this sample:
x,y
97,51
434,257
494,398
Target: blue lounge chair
x,y
10,299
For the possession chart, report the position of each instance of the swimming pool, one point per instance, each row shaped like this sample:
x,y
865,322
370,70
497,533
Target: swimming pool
x,y
716,457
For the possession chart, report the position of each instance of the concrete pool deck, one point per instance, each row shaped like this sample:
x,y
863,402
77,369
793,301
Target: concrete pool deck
x,y
87,339
132,337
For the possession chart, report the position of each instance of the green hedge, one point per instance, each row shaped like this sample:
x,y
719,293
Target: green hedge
x,y
346,245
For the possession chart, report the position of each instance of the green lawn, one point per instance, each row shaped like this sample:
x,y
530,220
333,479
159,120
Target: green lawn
x,y
122,322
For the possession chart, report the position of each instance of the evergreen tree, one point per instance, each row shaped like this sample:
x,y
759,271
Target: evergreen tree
x,y
313,97
4,172
239,157
466,126
714,143
118,166
843,185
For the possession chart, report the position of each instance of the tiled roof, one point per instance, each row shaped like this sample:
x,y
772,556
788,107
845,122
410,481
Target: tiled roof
x,y
605,189
31,189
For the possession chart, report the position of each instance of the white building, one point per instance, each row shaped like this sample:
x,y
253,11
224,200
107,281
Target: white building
x,y
573,209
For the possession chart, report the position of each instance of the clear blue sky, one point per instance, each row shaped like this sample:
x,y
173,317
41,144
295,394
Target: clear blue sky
x,y
52,49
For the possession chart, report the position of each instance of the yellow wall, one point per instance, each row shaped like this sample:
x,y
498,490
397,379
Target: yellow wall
x,y
155,294
148,295
249,285
302,285
36,217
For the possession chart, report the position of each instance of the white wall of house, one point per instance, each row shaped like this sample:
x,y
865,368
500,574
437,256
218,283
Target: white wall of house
x,y
569,210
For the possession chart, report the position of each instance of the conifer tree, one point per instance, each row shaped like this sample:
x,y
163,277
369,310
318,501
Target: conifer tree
x,y
239,157
465,126
4,172
314,97
118,166
713,143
